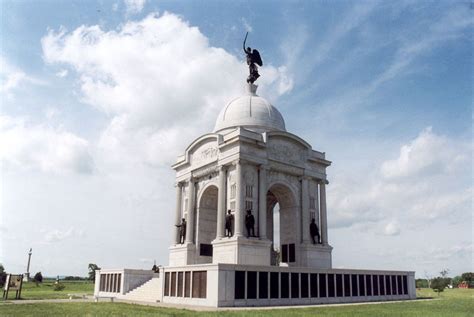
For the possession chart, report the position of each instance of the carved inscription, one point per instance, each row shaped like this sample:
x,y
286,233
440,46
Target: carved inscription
x,y
204,154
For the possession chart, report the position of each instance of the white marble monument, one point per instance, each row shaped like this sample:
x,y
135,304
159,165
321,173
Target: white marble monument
x,y
250,162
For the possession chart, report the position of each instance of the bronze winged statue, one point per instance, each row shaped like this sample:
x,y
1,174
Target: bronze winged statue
x,y
253,59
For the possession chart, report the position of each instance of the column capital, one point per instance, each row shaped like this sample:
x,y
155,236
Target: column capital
x,y
237,162
179,184
262,167
223,167
323,181
305,177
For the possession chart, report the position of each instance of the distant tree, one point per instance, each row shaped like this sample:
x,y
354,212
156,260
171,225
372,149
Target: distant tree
x,y
444,273
469,278
38,278
74,278
438,284
3,275
457,280
92,268
421,283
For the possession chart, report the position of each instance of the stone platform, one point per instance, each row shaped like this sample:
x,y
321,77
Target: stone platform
x,y
230,285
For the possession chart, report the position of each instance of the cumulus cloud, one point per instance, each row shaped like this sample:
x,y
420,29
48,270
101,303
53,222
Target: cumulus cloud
x,y
426,182
57,235
134,6
12,77
42,147
427,154
158,79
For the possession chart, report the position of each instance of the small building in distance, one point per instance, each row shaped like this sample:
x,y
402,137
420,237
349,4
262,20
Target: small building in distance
x,y
464,284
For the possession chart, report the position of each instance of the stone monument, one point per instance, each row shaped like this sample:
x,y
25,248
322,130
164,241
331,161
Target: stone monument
x,y
248,165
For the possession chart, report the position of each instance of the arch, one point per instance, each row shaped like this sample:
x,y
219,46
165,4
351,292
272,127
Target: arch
x,y
203,190
282,193
206,228
285,192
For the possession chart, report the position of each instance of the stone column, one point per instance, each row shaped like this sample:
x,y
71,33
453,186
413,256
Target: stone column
x,y
239,205
262,203
305,220
177,216
190,220
324,220
221,203
317,217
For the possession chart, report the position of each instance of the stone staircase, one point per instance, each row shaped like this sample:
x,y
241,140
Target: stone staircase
x,y
148,292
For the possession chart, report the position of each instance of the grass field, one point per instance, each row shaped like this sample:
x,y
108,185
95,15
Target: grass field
x,y
45,290
455,302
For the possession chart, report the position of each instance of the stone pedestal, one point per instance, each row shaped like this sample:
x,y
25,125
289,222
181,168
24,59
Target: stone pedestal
x,y
240,250
315,256
182,254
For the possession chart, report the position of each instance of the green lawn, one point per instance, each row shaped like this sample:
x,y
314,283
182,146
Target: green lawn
x,y
456,302
45,290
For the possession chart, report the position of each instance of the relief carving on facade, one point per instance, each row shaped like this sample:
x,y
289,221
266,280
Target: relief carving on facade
x,y
287,152
210,171
249,176
205,153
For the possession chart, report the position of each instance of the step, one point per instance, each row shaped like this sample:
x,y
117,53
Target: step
x,y
148,292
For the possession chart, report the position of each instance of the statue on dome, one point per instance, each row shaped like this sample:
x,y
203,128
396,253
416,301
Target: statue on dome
x,y
253,59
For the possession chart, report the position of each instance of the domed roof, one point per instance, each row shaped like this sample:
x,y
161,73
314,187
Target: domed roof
x,y
250,111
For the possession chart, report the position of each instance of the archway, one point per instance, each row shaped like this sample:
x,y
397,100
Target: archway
x,y
282,223
206,224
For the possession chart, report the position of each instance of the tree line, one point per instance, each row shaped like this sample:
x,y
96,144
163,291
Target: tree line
x,y
443,281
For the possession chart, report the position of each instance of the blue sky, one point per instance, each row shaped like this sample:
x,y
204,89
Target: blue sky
x,y
98,98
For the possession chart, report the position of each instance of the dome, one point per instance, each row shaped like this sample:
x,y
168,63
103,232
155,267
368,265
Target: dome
x,y
250,111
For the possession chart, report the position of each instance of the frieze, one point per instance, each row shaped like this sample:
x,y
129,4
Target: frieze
x,y
297,171
206,171
287,152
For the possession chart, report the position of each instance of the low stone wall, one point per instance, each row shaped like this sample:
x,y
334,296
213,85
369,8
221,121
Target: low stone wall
x,y
227,285
245,285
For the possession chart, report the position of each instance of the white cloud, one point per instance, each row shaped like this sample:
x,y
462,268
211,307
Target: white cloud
x,y
57,235
134,6
42,147
62,73
158,79
12,77
463,249
51,112
427,154
392,228
427,182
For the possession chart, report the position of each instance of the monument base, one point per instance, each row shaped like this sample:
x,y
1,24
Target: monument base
x,y
241,250
316,256
227,285
182,254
